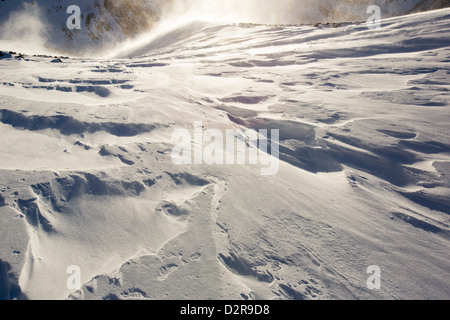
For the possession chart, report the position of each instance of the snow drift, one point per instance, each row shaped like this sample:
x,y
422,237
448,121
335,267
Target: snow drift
x,y
87,178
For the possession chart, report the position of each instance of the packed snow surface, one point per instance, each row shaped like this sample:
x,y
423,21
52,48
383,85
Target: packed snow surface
x,y
87,177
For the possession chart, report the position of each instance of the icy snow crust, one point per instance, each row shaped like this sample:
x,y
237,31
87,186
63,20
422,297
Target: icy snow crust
x,y
87,177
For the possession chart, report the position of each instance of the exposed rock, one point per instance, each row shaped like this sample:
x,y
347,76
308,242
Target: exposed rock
x,y
2,201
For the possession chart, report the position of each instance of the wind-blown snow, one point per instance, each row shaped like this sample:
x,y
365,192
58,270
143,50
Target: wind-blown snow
x,y
40,26
87,177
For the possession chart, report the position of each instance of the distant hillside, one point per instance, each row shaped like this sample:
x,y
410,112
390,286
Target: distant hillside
x,y
426,5
103,21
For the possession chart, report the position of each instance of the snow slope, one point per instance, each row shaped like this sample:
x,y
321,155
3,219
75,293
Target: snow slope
x,y
87,177
41,26
44,23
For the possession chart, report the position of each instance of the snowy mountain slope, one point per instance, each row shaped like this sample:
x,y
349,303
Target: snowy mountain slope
x,y
102,22
87,177
105,23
